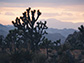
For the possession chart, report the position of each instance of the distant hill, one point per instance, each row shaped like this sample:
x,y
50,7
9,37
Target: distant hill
x,y
55,36
4,29
65,32
57,24
2,32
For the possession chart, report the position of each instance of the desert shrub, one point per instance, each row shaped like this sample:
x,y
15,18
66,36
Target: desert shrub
x,y
4,58
21,57
39,58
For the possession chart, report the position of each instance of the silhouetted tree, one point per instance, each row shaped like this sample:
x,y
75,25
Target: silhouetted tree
x,y
57,44
81,29
76,40
31,34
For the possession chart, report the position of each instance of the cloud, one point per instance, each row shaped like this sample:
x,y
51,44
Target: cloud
x,y
52,3
57,14
45,1
9,13
68,14
67,19
82,14
51,14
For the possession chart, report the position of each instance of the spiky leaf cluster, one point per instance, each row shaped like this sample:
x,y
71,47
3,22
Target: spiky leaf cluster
x,y
81,29
28,20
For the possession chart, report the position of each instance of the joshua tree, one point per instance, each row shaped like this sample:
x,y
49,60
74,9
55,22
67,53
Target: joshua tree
x,y
57,44
31,34
81,29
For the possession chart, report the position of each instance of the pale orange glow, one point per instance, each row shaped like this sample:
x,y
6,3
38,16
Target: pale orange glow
x,y
62,13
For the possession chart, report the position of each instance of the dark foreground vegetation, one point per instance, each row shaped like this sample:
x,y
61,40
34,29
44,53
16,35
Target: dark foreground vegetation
x,y
27,43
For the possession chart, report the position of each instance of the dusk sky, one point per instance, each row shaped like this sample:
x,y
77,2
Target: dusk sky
x,y
62,10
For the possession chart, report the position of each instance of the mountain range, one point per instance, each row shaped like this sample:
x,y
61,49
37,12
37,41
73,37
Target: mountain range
x,y
4,29
64,32
53,34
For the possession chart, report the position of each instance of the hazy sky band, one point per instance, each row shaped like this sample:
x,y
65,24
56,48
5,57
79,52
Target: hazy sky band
x,y
45,1
42,2
62,10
